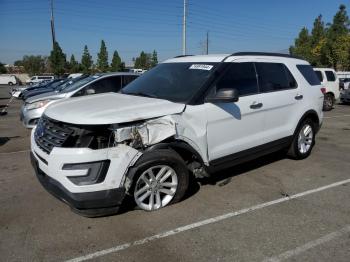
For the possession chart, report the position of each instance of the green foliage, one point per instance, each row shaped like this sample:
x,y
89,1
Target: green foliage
x,y
33,65
86,61
3,69
102,58
146,61
154,60
57,60
73,65
329,47
116,64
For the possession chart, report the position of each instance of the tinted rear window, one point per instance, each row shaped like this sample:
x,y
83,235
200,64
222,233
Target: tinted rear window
x,y
330,76
319,75
274,77
309,74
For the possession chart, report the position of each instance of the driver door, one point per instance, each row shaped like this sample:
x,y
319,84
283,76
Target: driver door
x,y
236,126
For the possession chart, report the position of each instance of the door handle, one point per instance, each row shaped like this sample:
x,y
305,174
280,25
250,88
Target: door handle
x,y
298,97
256,105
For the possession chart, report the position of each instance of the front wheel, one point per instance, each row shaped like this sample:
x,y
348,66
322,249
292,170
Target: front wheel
x,y
328,102
162,179
303,141
10,84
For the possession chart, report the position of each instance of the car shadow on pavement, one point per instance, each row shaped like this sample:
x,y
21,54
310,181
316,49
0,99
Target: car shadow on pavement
x,y
224,177
4,140
220,178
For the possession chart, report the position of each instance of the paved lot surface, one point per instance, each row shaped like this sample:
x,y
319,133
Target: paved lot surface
x,y
265,217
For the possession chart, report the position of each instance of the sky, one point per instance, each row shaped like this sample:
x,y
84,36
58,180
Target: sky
x,y
132,26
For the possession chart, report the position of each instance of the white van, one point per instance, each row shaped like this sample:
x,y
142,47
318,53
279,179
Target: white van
x,y
38,79
330,82
8,80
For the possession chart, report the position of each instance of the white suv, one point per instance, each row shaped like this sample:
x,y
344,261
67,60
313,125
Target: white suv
x,y
330,83
190,115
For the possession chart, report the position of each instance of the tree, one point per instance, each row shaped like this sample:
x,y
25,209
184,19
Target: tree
x,y
116,64
154,60
143,61
3,69
102,58
302,46
57,60
86,61
34,65
73,64
339,29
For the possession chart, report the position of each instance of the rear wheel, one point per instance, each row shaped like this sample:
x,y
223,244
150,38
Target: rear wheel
x,y
10,83
328,102
303,141
162,179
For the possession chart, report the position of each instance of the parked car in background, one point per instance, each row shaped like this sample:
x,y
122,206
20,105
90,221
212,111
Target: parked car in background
x,y
191,115
34,106
49,87
38,79
345,96
344,83
8,80
330,82
75,75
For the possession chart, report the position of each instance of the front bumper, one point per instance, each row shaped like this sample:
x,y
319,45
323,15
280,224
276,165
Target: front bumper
x,y
90,204
102,198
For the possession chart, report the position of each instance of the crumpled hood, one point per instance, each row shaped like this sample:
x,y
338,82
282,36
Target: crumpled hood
x,y
50,95
110,108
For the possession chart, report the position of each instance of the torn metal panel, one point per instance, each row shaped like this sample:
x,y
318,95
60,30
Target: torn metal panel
x,y
150,132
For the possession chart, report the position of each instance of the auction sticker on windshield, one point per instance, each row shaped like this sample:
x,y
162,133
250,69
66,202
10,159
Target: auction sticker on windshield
x,y
201,67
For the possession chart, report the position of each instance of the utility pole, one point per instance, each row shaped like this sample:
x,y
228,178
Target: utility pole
x,y
52,26
184,29
207,44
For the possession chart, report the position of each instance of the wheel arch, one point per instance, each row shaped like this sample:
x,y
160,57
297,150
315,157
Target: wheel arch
x,y
311,114
180,147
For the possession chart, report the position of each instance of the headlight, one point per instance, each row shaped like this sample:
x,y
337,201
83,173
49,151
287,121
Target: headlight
x,y
38,104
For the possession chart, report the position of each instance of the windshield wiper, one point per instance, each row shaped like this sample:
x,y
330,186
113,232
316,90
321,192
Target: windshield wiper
x,y
140,94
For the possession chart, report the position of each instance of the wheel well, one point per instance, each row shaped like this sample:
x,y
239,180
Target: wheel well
x,y
310,115
330,93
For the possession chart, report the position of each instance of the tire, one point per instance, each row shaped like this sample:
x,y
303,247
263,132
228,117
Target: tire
x,y
162,163
10,84
328,102
297,150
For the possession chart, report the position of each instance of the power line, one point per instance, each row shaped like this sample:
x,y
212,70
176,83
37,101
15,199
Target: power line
x,y
184,29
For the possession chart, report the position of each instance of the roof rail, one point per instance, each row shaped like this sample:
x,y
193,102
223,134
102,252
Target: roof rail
x,y
263,54
182,56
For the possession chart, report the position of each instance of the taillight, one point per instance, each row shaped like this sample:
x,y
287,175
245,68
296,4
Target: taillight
x,y
323,90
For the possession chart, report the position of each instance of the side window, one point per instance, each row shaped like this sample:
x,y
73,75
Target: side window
x,y
109,84
309,74
128,79
240,76
274,77
330,76
319,75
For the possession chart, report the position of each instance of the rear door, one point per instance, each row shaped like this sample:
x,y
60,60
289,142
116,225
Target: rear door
x,y
280,97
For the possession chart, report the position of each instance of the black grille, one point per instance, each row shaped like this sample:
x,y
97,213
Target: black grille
x,y
50,133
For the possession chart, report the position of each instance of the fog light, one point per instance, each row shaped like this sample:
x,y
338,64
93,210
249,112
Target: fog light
x,y
96,172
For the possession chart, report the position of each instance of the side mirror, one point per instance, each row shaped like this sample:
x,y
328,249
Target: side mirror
x,y
224,95
90,91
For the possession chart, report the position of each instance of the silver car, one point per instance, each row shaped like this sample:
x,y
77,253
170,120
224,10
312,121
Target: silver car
x,y
345,96
34,107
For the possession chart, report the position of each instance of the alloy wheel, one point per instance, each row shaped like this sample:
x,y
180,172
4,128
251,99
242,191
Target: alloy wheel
x,y
156,187
305,139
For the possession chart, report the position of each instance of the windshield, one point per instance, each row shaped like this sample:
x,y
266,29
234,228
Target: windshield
x,y
74,85
177,82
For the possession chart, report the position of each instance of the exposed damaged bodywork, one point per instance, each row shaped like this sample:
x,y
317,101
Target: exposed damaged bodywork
x,y
147,133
